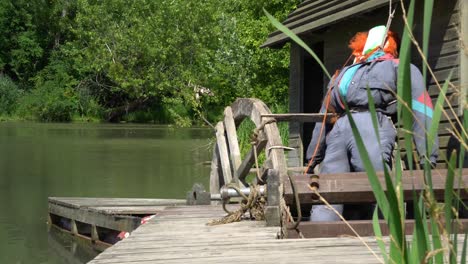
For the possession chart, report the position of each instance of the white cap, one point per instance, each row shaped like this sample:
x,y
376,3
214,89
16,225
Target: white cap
x,y
374,38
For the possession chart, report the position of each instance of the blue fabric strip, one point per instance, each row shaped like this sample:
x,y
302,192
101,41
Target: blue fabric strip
x,y
346,79
422,108
349,74
376,55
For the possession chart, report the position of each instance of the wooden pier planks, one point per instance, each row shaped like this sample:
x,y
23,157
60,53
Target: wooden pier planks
x,y
180,235
112,213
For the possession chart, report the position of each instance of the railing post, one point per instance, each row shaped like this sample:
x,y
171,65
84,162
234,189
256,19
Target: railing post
x,y
272,210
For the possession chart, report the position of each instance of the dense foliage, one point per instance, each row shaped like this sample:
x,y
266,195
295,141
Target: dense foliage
x,y
147,61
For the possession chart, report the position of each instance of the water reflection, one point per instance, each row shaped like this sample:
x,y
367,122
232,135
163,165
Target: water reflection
x,y
87,160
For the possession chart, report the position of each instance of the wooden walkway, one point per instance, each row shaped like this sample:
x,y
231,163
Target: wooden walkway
x,y
114,213
180,235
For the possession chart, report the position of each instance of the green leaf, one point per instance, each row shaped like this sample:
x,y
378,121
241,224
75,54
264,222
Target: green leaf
x,y
373,113
438,108
395,221
419,243
448,193
428,6
436,241
463,255
378,234
404,85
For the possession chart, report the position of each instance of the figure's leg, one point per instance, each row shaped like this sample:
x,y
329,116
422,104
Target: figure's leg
x,y
336,161
377,152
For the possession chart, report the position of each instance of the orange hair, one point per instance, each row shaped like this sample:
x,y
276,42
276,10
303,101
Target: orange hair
x,y
358,41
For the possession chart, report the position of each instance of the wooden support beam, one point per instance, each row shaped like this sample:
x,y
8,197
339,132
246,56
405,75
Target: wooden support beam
x,y
362,227
223,153
463,54
355,188
73,227
300,117
89,216
94,233
272,210
233,142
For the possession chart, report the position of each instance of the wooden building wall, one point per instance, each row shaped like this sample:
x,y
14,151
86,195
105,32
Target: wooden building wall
x,y
445,54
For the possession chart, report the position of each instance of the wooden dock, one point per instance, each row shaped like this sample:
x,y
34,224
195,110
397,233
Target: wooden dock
x,y
180,235
100,220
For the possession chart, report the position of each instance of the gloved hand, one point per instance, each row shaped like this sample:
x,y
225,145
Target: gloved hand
x,y
312,166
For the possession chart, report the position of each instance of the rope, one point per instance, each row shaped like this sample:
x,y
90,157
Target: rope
x,y
254,204
254,142
327,104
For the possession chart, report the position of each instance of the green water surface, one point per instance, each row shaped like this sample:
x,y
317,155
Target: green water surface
x,y
87,160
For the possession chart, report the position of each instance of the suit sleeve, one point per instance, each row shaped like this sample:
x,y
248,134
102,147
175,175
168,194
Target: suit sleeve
x,y
423,111
318,139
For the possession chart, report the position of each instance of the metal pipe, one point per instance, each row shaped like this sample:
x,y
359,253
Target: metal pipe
x,y
226,192
215,196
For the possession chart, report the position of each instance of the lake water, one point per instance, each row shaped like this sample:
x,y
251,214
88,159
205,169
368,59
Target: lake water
x,y
87,160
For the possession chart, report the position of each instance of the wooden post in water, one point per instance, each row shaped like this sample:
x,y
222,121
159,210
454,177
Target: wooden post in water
x,y
94,233
73,227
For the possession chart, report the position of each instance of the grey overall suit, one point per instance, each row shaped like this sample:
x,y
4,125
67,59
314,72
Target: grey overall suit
x,y
337,150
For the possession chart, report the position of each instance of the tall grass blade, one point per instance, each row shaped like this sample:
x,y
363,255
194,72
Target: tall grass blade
x,y
428,5
439,106
378,234
373,113
396,221
296,39
404,85
436,241
399,187
448,193
463,255
448,197
419,243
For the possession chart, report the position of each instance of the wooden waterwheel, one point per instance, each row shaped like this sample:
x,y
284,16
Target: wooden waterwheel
x,y
228,166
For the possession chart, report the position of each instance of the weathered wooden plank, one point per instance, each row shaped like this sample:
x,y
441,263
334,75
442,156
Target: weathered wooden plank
x,y
223,153
304,7
434,90
441,75
463,54
312,14
77,202
319,23
215,172
233,142
448,47
300,117
443,62
362,227
115,222
144,210
355,187
273,210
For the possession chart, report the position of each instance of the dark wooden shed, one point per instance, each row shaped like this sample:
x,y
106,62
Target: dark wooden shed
x,y
327,25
